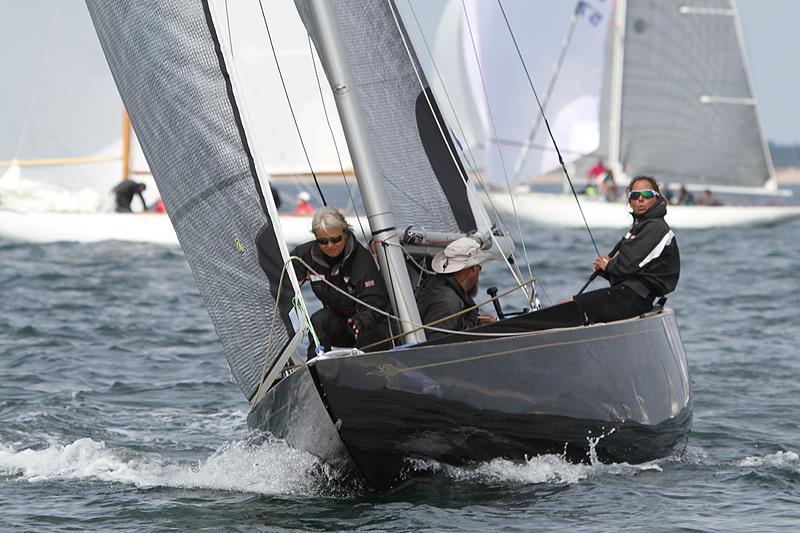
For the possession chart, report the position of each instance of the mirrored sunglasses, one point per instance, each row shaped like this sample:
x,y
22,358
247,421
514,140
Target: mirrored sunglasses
x,y
322,241
646,194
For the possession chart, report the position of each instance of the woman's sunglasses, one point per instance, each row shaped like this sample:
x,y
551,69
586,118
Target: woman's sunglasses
x,y
322,241
646,194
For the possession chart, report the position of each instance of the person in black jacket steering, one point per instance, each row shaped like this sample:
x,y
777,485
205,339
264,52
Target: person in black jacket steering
x,y
647,265
338,258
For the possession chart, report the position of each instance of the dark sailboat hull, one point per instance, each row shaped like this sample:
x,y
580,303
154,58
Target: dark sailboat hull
x,y
626,383
546,392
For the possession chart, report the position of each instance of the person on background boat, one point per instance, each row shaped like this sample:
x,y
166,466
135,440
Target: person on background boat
x,y
610,188
452,289
159,206
684,196
666,193
647,265
597,171
338,258
304,206
124,193
706,198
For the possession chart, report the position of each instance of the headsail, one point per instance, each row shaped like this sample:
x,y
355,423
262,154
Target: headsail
x,y
173,73
416,160
689,113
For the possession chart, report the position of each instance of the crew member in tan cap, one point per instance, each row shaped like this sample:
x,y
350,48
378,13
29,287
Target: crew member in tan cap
x,y
453,288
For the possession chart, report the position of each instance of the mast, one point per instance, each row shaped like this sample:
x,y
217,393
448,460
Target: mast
x,y
376,203
615,111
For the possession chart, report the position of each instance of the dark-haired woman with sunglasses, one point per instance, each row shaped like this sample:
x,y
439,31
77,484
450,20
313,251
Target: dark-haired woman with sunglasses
x,y
338,258
647,265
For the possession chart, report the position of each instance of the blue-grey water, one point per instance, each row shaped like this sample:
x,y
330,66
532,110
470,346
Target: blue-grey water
x,y
117,412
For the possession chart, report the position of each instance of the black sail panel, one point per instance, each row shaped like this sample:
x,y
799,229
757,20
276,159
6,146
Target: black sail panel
x,y
446,169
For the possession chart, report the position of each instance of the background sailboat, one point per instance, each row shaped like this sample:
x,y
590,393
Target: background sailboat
x,y
678,103
65,144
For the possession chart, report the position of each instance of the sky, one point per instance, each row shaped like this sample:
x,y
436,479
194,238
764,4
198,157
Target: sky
x,y
771,30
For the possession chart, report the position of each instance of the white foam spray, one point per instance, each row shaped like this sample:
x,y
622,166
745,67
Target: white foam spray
x,y
270,467
786,459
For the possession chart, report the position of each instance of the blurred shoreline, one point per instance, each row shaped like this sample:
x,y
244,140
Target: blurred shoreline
x,y
788,175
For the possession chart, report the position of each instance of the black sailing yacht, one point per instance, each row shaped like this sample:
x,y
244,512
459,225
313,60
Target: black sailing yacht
x,y
535,383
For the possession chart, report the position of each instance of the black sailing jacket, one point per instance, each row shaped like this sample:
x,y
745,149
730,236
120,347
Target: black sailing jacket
x,y
356,273
439,296
648,260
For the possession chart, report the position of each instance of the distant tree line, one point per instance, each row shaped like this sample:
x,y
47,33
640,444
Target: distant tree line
x,y
785,155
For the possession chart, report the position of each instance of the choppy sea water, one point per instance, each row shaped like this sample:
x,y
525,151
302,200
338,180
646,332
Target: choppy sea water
x,y
117,412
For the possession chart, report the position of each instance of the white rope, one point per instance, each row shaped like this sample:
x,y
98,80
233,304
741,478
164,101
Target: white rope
x,y
389,315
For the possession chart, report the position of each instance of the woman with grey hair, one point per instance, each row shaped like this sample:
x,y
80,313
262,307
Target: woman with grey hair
x,y
339,259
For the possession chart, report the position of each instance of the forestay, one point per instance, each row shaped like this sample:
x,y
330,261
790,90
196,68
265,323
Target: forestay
x,y
423,175
688,108
174,76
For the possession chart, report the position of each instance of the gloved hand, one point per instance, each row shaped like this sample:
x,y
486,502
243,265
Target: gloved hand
x,y
355,326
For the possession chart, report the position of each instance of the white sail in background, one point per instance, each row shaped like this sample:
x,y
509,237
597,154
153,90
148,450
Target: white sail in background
x,y
278,141
61,114
510,113
63,117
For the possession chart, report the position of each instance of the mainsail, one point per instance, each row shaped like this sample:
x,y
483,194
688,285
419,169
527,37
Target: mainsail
x,y
172,71
418,160
689,111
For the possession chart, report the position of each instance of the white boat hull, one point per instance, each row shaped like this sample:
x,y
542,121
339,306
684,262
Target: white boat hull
x,y
94,227
561,210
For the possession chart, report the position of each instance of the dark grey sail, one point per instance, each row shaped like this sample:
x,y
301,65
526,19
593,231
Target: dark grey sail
x,y
169,67
423,181
689,113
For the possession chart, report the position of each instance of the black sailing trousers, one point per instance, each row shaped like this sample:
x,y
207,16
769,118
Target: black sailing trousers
x,y
332,329
613,303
